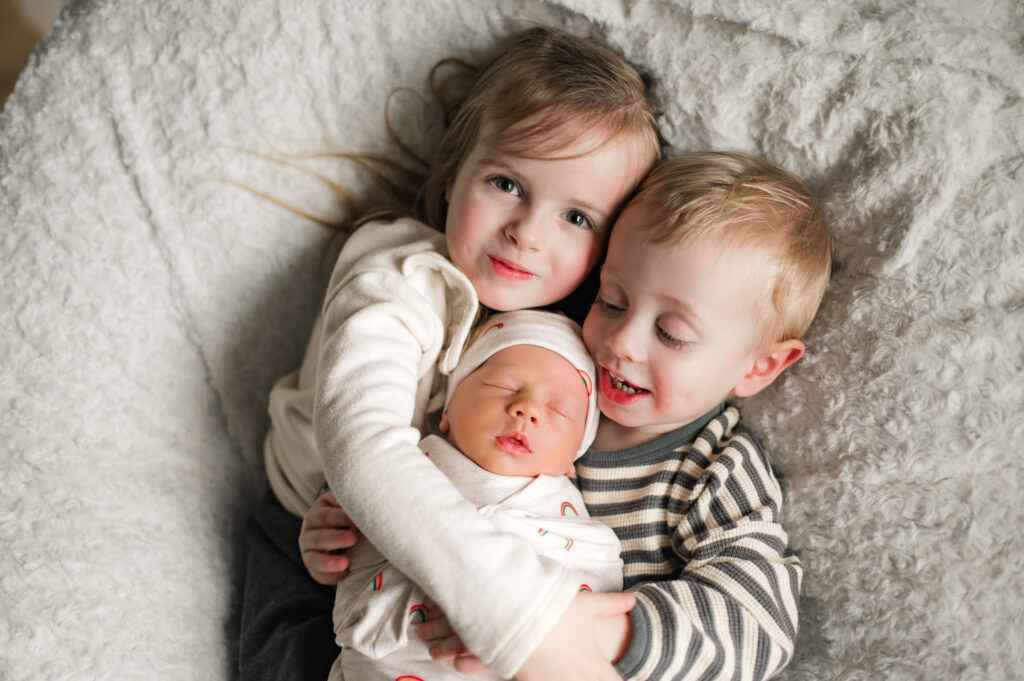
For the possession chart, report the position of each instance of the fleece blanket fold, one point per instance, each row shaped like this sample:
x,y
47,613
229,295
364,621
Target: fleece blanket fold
x,y
148,304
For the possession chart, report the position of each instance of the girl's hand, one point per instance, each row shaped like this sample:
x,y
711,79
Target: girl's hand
x,y
326,532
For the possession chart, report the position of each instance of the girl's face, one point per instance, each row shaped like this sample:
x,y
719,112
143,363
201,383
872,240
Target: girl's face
x,y
526,231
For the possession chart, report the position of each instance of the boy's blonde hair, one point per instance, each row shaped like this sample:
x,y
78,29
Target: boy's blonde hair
x,y
751,203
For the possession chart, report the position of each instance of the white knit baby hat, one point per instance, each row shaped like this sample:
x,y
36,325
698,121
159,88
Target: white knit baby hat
x,y
548,330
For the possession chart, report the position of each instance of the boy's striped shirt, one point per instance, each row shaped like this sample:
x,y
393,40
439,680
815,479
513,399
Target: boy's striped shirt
x,y
696,511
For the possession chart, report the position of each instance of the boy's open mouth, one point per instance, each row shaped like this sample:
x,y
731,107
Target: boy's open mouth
x,y
514,443
619,390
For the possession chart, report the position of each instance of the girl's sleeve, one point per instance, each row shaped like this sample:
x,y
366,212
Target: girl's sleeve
x,y
500,596
732,612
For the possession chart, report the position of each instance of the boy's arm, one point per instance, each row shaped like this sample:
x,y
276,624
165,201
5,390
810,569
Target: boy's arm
x,y
732,610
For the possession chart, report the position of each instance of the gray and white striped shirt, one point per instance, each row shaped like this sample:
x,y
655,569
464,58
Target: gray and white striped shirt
x,y
697,511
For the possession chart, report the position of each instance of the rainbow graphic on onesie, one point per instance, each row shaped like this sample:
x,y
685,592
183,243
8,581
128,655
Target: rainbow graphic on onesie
x,y
377,582
586,587
407,677
419,611
566,506
496,325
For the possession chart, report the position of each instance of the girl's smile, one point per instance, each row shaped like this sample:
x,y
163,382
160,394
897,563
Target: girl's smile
x,y
526,230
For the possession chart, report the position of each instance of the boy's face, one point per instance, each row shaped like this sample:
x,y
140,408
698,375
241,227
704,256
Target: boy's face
x,y
674,327
522,412
526,231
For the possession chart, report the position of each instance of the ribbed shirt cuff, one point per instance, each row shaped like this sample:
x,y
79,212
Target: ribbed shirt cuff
x,y
639,646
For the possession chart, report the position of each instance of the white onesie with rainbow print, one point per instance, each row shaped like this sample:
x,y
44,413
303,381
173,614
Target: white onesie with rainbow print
x,y
377,607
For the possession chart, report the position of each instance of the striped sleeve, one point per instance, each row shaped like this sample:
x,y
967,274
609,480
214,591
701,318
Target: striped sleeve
x,y
716,586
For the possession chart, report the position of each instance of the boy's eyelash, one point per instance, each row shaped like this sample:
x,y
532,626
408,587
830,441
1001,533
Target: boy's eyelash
x,y
610,307
670,340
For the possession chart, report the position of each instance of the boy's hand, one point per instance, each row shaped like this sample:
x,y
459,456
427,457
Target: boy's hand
x,y
449,647
326,532
579,648
592,633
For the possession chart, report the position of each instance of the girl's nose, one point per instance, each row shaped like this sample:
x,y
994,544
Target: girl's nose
x,y
526,231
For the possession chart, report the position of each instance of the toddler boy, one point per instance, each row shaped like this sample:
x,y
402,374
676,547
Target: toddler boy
x,y
520,408
714,272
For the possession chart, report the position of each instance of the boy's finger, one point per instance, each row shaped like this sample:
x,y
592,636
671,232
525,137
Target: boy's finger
x,y
447,648
610,604
471,664
434,629
435,613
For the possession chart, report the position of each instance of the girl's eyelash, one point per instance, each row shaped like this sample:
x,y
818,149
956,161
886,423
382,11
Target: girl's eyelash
x,y
587,222
498,180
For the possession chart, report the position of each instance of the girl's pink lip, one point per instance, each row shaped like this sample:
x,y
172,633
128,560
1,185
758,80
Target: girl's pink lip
x,y
513,443
507,269
617,396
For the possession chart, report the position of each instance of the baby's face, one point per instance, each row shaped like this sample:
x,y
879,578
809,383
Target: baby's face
x,y
522,412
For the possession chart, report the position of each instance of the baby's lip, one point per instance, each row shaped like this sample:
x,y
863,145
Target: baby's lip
x,y
514,442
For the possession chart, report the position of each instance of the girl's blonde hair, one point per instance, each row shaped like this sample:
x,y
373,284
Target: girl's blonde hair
x,y
536,84
751,203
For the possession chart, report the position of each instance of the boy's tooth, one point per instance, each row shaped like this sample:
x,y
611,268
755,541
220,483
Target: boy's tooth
x,y
621,385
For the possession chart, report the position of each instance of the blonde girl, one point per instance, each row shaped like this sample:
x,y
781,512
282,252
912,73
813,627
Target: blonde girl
x,y
550,141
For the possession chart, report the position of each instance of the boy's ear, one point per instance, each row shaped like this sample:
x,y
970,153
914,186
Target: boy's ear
x,y
443,426
768,366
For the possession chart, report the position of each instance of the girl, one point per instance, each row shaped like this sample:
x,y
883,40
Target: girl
x,y
549,142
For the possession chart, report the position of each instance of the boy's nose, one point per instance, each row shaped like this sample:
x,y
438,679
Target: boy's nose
x,y
624,342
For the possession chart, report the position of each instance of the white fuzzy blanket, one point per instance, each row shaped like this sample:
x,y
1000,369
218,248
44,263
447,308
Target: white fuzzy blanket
x,y
146,311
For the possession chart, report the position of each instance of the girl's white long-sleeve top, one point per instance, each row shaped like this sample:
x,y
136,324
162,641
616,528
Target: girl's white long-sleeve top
x,y
395,318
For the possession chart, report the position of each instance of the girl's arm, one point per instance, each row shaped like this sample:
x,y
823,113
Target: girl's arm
x,y
381,335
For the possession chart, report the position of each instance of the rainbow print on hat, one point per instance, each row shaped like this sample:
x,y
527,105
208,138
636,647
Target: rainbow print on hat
x,y
567,507
419,611
586,381
377,582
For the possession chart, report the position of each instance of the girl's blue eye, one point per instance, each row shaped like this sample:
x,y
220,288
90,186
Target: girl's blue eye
x,y
505,185
578,219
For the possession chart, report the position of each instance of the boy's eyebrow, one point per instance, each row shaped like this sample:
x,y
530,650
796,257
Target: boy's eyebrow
x,y
692,318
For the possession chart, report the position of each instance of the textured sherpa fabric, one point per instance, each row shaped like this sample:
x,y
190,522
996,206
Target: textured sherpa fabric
x,y
146,306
